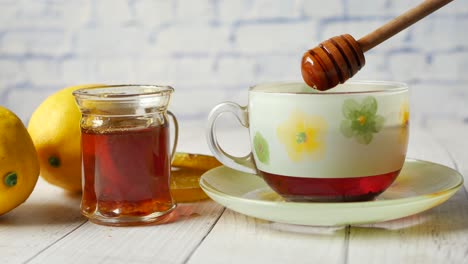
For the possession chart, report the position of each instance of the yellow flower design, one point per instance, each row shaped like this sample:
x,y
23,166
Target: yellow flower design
x,y
404,114
404,120
303,136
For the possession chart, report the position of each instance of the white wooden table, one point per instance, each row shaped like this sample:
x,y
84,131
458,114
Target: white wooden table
x,y
48,228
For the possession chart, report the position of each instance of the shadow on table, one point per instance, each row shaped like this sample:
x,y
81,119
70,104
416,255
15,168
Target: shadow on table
x,y
68,211
307,230
47,213
450,217
183,212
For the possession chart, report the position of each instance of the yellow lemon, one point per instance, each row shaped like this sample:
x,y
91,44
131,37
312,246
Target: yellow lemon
x,y
55,130
187,168
19,167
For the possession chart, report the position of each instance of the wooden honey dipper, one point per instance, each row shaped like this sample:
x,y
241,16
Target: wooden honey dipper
x,y
339,58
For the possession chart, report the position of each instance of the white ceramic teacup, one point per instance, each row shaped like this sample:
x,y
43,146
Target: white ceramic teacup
x,y
346,144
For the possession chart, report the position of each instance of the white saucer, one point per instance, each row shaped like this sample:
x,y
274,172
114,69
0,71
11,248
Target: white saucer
x,y
420,186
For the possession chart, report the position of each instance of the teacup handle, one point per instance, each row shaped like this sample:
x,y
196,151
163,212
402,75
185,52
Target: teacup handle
x,y
244,164
176,134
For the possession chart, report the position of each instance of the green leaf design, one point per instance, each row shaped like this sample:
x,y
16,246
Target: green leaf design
x,y
369,105
261,148
350,106
379,122
301,137
346,128
364,138
361,119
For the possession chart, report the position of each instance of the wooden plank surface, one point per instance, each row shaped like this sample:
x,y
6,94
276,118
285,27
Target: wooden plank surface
x,y
439,235
453,136
49,229
237,238
166,243
241,239
47,216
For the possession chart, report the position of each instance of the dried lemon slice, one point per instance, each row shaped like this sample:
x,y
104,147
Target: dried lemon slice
x,y
186,171
184,185
195,161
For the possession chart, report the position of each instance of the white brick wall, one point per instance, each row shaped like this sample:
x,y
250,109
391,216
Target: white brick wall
x,y
441,33
325,9
450,66
42,72
25,41
242,10
408,65
273,38
10,73
150,13
213,50
192,37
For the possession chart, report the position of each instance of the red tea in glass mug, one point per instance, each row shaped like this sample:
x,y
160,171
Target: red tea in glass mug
x,y
126,153
346,144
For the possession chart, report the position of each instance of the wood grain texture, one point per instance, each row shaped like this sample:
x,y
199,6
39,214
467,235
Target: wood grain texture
x,y
49,229
166,243
46,217
452,134
237,238
241,239
439,235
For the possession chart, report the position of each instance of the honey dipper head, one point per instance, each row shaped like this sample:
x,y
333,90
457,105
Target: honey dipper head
x,y
331,62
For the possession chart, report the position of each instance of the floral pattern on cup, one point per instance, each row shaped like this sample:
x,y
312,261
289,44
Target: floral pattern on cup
x,y
362,120
404,114
404,119
262,150
303,136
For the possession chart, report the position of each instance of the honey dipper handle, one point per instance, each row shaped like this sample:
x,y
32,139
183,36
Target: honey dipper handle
x,y
399,23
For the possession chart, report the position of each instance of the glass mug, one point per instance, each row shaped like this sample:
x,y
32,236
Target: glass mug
x,y
345,144
126,154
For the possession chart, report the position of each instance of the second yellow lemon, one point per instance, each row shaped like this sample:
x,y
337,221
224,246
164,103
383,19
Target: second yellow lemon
x,y
55,131
19,167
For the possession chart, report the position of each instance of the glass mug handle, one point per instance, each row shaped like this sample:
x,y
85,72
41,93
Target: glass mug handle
x,y
176,134
244,164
